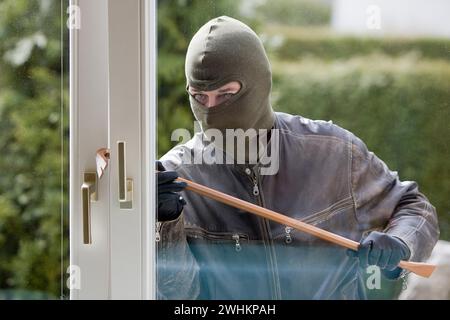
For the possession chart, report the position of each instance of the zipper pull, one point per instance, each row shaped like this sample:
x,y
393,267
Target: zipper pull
x,y
248,171
255,188
157,234
288,234
237,245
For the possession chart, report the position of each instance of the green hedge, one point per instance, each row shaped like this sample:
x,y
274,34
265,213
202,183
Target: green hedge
x,y
295,12
33,197
398,106
297,42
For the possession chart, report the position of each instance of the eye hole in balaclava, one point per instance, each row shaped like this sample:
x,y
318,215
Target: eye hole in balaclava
x,y
223,95
225,50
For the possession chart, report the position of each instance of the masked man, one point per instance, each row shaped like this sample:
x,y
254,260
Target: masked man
x,y
324,176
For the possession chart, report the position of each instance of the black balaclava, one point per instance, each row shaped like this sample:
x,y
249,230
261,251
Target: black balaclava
x,y
225,50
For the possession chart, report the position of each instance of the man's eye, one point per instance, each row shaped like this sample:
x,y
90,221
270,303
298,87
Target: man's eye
x,y
200,98
227,95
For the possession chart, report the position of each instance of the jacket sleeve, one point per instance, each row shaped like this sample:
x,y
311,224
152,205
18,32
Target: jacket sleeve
x,y
383,201
177,269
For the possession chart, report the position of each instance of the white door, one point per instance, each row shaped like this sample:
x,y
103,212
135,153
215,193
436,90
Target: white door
x,y
112,93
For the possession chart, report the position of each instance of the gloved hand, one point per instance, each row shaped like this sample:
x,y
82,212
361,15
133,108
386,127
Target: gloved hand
x,y
383,250
170,203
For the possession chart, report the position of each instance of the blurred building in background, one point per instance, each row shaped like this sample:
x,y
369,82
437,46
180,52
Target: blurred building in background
x,y
386,17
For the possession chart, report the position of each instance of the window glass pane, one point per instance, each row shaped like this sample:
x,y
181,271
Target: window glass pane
x,y
367,70
33,149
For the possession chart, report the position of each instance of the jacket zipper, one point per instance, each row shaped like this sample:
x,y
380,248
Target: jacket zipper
x,y
287,231
158,233
237,246
276,291
235,236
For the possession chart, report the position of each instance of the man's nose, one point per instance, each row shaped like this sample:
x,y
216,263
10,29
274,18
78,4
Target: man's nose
x,y
212,101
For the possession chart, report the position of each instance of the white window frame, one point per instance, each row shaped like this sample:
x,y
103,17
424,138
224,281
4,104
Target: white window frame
x,y
113,98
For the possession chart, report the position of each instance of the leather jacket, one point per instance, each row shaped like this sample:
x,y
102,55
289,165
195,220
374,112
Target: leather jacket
x,y
327,178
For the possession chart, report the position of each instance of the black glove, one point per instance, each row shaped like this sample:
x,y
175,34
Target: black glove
x,y
383,250
170,203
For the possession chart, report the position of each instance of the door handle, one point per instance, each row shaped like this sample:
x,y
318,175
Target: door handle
x,y
89,192
125,184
